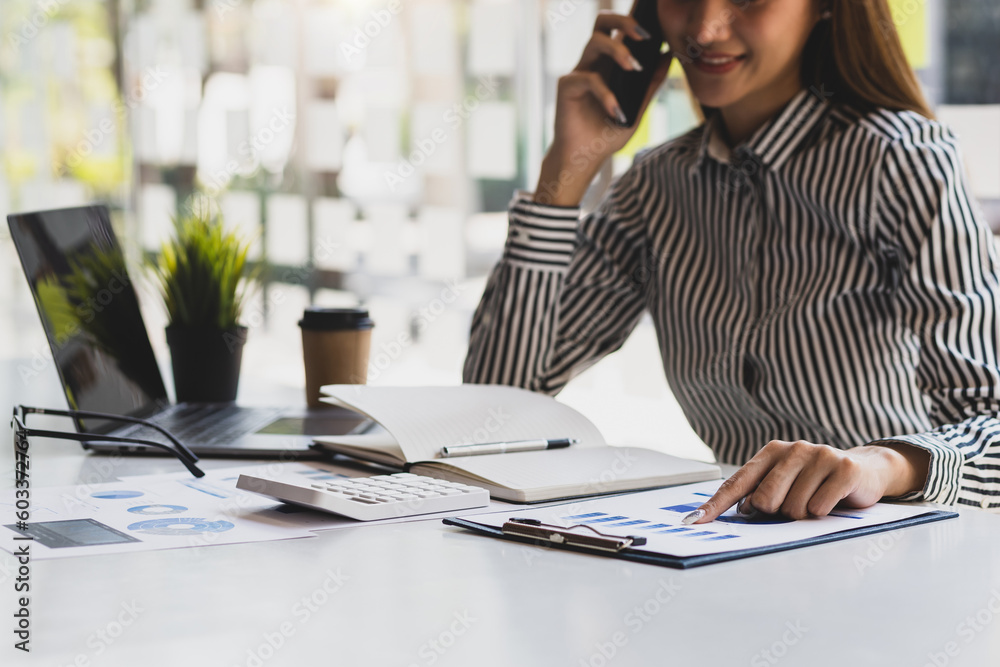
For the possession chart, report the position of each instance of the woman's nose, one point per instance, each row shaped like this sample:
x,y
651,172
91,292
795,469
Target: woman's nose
x,y
710,20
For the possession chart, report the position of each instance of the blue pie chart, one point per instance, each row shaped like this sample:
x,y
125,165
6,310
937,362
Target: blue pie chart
x,y
157,510
181,525
116,495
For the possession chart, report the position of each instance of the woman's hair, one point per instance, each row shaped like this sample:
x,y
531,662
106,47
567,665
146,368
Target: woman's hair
x,y
855,58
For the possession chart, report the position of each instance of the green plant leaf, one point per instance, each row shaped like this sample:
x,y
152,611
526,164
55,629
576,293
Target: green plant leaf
x,y
202,272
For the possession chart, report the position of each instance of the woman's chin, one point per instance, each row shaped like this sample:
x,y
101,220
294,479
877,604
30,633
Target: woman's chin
x,y
713,97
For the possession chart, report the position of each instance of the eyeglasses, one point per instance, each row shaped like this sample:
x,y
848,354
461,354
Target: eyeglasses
x,y
21,433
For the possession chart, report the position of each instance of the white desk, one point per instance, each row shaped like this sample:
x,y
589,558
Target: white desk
x,y
884,600
423,594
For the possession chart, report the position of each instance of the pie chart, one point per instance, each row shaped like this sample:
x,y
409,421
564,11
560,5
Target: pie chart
x,y
115,495
180,526
157,510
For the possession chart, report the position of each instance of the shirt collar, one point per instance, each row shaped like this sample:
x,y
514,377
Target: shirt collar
x,y
775,140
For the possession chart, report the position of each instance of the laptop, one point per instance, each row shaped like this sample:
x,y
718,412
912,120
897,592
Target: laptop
x,y
89,310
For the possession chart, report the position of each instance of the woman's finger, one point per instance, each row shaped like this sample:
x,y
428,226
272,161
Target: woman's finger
x,y
600,45
773,489
743,507
579,83
742,482
835,488
607,22
822,465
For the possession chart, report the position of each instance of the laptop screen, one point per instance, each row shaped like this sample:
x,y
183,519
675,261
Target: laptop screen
x,y
76,271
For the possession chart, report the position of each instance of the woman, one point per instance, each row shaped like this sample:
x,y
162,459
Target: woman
x,y
823,288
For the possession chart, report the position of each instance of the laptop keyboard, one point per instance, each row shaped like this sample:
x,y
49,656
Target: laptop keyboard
x,y
206,424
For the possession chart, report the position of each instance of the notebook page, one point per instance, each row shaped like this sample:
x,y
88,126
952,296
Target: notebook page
x,y
425,419
379,446
582,471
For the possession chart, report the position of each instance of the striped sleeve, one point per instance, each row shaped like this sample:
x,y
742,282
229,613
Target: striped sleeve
x,y
948,297
566,292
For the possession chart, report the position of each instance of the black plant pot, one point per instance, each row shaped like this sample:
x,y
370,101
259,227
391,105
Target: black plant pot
x,y
206,362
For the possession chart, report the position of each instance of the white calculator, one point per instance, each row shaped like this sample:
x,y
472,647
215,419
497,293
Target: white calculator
x,y
370,498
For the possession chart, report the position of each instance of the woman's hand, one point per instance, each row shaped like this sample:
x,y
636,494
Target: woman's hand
x,y
587,114
801,479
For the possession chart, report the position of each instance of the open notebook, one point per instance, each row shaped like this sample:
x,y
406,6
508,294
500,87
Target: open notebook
x,y
418,421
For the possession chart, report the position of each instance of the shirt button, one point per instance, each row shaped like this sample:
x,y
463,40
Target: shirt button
x,y
984,503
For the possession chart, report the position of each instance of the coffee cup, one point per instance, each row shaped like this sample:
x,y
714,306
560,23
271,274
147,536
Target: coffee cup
x,y
335,346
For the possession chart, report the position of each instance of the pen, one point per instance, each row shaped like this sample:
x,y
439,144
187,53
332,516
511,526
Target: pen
x,y
503,447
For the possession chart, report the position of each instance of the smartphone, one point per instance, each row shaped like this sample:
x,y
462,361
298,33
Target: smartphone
x,y
628,86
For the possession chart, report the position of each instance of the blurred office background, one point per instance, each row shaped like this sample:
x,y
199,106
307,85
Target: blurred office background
x,y
371,147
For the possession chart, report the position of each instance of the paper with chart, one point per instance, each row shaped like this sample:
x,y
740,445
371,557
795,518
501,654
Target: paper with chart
x,y
140,515
176,510
656,515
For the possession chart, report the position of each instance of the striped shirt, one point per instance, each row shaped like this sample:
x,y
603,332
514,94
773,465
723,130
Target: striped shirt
x,y
830,279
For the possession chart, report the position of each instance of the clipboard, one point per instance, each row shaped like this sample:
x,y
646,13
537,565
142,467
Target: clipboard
x,y
627,547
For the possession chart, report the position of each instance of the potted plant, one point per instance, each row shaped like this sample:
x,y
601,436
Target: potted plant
x,y
203,277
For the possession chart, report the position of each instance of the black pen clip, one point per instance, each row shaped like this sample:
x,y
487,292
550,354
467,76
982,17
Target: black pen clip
x,y
536,530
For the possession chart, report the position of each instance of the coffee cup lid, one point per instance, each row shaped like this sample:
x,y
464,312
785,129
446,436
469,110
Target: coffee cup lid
x,y
334,319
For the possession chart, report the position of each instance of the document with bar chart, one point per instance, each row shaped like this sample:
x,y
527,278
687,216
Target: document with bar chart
x,y
656,515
